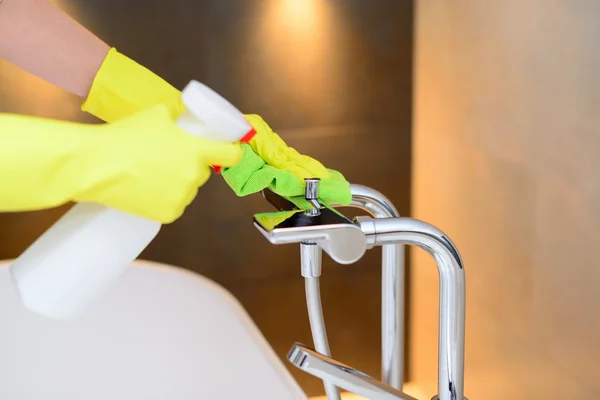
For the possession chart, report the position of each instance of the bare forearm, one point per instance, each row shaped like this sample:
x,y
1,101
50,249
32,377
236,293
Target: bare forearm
x,y
38,37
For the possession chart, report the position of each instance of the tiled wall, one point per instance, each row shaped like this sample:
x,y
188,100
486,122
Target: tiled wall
x,y
507,162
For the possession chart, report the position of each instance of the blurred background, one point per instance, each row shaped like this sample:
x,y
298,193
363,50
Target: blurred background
x,y
478,117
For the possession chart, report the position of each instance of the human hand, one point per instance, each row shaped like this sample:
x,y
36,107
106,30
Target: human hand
x,y
147,166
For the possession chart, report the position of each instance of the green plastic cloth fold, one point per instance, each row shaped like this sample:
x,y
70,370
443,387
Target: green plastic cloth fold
x,y
253,174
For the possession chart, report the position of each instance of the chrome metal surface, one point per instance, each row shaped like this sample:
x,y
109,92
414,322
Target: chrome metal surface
x,y
339,237
372,201
311,257
342,375
393,273
344,243
311,194
392,287
451,335
318,330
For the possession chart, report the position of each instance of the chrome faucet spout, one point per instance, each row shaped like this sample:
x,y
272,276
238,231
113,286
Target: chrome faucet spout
x,y
451,336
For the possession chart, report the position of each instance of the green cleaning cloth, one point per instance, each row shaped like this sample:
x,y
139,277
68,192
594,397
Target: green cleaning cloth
x,y
253,174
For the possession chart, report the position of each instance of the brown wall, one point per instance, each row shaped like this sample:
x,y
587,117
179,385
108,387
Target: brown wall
x,y
332,77
507,162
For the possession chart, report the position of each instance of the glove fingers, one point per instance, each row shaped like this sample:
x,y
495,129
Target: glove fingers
x,y
298,171
266,143
304,167
313,167
221,154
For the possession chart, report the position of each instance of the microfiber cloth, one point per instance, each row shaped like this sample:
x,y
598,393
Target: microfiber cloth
x,y
253,174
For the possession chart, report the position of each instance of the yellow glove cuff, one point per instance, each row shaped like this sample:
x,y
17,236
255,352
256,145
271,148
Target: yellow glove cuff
x,y
122,87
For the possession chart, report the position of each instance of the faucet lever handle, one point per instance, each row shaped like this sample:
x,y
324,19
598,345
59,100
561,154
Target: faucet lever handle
x,y
343,376
311,190
277,201
311,194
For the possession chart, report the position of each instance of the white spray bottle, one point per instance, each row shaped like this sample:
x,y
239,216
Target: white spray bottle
x,y
76,259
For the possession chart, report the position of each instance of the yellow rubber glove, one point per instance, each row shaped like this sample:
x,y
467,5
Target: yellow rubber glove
x,y
271,148
122,87
144,164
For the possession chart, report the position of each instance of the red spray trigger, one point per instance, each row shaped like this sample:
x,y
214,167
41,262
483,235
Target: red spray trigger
x,y
210,116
